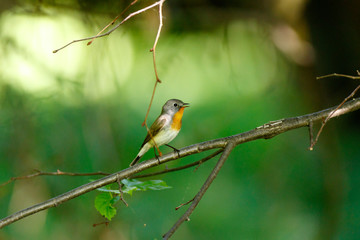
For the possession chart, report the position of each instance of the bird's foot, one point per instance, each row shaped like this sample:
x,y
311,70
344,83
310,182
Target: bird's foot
x,y
175,150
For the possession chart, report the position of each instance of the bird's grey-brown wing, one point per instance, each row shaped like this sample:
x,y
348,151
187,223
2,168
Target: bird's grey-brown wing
x,y
154,129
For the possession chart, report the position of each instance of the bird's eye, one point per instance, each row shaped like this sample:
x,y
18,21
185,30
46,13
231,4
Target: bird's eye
x,y
175,104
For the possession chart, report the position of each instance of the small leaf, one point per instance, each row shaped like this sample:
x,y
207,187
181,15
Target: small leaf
x,y
104,204
104,189
131,185
129,189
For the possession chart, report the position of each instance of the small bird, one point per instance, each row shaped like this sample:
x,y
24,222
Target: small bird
x,y
165,128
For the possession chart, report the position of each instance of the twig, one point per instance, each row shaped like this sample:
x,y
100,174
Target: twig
x,y
311,132
113,21
114,28
121,193
179,168
97,224
60,173
332,114
259,133
183,204
340,75
153,50
229,147
57,173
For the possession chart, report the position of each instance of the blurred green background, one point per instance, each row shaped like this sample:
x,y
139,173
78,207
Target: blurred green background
x,y
239,63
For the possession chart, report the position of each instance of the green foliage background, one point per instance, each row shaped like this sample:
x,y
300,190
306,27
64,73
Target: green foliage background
x,y
81,110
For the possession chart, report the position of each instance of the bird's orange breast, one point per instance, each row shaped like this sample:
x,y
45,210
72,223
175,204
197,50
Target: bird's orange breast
x,y
176,123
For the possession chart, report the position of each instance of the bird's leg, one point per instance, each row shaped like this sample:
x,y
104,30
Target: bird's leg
x,y
175,149
157,157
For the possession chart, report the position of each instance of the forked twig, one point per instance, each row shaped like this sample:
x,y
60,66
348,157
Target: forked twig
x,y
121,192
113,21
153,49
114,28
227,150
332,114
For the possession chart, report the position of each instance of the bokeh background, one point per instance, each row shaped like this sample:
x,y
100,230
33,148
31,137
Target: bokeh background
x,y
239,63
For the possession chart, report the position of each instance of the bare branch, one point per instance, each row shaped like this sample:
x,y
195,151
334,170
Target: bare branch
x,y
153,50
113,21
229,147
332,114
311,135
106,223
339,75
180,168
183,204
121,193
57,173
60,173
114,28
263,132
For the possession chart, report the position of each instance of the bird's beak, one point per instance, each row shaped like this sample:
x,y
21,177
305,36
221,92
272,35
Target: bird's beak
x,y
186,105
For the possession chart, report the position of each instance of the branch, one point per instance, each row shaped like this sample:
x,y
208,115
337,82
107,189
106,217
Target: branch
x,y
153,50
180,168
114,28
266,131
160,3
60,173
331,114
229,147
113,21
57,173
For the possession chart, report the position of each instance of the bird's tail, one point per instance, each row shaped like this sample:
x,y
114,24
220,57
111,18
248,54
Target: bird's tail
x,y
135,160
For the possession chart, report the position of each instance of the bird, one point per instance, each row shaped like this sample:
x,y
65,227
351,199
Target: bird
x,y
164,129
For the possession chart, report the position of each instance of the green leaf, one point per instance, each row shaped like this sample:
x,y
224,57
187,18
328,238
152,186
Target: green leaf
x,y
131,185
104,204
108,190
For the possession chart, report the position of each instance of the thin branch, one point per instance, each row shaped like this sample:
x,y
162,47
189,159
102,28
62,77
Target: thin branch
x,y
263,132
153,50
229,147
60,173
114,28
121,193
331,114
311,135
179,168
339,75
113,21
106,223
57,173
183,204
